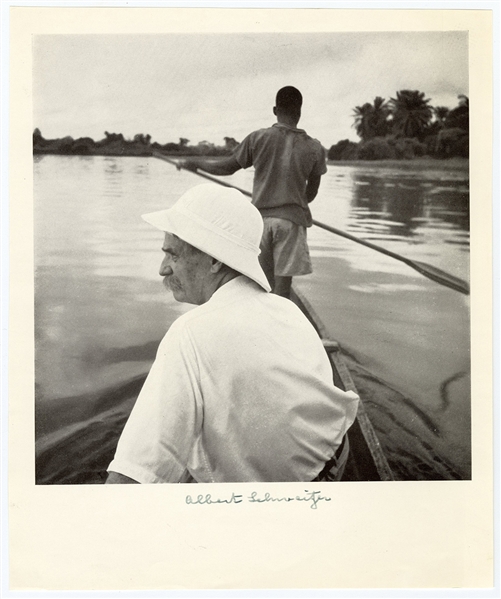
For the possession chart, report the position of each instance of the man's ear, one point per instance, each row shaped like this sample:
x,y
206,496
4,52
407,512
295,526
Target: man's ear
x,y
215,266
275,110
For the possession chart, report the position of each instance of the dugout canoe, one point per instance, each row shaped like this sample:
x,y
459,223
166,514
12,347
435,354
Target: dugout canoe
x,y
366,461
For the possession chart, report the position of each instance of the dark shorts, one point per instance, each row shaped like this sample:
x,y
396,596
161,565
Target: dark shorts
x,y
284,246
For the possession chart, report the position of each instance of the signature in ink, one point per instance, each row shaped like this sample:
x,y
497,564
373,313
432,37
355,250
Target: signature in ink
x,y
209,500
312,497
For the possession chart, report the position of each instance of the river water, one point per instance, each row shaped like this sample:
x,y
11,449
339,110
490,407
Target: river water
x,y
100,307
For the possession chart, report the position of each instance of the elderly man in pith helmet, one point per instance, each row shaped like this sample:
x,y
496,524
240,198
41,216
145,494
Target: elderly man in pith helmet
x,y
241,388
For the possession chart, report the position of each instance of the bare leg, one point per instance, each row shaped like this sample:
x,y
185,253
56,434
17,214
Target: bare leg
x,y
282,286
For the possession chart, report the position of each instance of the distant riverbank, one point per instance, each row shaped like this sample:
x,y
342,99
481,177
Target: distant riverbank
x,y
417,164
114,144
420,164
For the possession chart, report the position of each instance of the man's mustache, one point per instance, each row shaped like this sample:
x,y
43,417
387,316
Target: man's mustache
x,y
171,283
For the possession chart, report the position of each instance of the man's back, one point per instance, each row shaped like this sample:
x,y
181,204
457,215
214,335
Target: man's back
x,y
269,405
241,390
285,158
270,412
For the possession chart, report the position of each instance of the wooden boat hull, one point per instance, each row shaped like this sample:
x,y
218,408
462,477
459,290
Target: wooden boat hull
x,y
366,461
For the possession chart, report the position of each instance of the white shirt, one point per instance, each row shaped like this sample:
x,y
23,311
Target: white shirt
x,y
241,390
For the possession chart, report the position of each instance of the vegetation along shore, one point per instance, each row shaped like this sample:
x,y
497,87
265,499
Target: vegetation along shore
x,y
403,128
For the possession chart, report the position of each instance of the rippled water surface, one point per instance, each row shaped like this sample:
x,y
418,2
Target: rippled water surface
x,y
101,308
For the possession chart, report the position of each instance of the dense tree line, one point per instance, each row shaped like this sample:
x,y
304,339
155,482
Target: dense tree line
x,y
115,144
405,127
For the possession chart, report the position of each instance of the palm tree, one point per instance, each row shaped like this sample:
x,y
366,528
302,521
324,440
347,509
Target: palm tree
x,y
411,113
362,122
379,119
441,113
459,117
371,120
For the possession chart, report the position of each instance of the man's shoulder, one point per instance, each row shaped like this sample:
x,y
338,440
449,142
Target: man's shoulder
x,y
275,134
314,142
212,320
264,132
317,151
276,131
244,151
199,316
188,318
179,329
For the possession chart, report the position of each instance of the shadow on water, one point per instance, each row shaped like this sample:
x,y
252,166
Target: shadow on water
x,y
77,436
138,353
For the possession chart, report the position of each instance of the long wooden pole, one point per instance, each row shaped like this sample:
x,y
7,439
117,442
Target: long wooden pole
x,y
432,272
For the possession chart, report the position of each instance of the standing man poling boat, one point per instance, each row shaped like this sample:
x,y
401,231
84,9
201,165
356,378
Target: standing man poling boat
x,y
241,389
288,167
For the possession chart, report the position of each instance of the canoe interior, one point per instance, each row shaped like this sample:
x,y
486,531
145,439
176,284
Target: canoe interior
x,y
366,461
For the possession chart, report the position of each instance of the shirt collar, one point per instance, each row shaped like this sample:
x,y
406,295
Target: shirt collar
x,y
235,287
284,126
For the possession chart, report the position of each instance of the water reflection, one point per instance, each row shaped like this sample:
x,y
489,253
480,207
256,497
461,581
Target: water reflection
x,y
402,205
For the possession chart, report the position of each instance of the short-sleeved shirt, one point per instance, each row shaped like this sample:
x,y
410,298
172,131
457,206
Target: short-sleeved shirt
x,y
284,159
241,390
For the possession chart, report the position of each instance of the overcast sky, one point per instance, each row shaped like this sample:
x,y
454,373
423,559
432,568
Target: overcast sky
x,y
207,87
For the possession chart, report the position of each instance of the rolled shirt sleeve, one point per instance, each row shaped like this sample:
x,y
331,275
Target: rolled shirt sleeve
x,y
320,166
166,420
243,152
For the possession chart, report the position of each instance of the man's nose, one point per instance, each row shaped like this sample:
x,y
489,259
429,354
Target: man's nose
x,y
165,268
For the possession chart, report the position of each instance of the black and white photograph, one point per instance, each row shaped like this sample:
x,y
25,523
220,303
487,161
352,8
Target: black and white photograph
x,y
319,129
253,280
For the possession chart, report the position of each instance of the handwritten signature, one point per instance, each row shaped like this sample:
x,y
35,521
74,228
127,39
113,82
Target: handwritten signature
x,y
312,497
